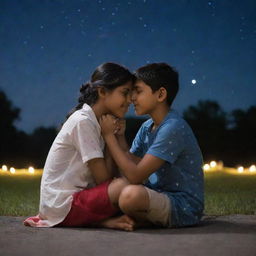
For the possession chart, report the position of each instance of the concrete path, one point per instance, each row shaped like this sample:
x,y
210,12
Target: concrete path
x,y
226,235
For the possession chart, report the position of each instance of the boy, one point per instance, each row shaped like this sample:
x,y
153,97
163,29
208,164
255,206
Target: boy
x,y
164,165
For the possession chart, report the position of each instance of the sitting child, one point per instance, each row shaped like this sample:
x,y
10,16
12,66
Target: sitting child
x,y
164,165
77,187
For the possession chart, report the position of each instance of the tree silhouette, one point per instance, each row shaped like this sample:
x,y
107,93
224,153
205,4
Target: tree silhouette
x,y
241,139
8,114
230,138
209,122
40,142
16,147
10,137
132,127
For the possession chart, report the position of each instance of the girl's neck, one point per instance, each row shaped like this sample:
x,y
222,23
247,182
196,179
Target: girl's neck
x,y
159,114
98,110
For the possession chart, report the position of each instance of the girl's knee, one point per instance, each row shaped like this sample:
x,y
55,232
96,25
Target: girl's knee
x,y
115,188
118,183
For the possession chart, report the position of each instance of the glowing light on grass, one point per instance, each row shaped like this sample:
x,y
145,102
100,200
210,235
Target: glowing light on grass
x,y
252,168
206,167
240,169
31,170
12,170
213,164
4,168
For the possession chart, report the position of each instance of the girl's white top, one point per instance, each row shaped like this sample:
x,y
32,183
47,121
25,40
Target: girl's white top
x,y
66,170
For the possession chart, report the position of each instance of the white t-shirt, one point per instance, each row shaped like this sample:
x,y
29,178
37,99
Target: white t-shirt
x,y
66,170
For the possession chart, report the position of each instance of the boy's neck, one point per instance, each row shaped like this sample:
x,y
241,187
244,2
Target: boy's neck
x,y
159,114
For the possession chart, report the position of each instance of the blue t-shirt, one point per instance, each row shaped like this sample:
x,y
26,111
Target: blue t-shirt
x,y
181,176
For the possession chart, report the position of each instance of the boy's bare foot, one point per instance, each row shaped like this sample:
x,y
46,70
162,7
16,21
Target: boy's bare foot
x,y
123,222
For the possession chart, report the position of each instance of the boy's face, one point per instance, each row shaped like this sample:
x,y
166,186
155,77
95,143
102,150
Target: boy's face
x,y
143,98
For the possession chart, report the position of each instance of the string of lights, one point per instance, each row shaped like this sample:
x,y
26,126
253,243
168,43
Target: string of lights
x,y
207,167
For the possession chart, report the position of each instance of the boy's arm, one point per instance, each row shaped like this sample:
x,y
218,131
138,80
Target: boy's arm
x,y
120,135
125,147
135,173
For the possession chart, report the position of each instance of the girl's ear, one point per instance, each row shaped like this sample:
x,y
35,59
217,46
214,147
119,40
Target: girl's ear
x,y
162,94
101,92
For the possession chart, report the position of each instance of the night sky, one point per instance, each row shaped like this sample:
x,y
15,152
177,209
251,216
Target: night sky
x,y
49,48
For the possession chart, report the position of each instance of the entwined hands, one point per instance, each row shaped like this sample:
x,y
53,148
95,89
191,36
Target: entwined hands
x,y
112,125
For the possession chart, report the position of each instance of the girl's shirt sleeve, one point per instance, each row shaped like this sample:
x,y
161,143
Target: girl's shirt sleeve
x,y
87,140
168,143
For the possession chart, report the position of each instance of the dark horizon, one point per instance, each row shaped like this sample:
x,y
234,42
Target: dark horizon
x,y
229,137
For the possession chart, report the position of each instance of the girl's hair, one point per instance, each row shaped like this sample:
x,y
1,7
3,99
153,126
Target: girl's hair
x,y
109,76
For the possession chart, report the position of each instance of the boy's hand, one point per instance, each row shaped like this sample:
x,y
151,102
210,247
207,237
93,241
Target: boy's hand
x,y
108,125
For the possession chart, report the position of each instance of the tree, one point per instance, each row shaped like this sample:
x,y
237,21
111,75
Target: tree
x,y
242,139
209,122
39,145
9,136
132,127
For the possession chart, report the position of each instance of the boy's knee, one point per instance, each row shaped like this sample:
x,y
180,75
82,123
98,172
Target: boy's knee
x,y
131,196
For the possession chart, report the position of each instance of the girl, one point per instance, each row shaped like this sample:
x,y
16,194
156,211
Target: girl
x,y
77,187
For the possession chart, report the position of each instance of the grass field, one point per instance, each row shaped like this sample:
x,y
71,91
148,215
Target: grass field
x,y
225,193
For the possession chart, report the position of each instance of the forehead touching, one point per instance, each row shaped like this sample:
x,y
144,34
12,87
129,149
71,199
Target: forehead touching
x,y
139,84
126,86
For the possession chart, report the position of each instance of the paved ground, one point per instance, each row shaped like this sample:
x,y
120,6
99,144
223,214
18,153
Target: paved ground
x,y
227,235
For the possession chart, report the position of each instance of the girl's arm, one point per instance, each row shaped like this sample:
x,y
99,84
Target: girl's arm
x,y
100,172
136,173
87,142
110,163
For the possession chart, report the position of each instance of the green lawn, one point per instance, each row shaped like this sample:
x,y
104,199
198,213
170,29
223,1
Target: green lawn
x,y
225,193
19,194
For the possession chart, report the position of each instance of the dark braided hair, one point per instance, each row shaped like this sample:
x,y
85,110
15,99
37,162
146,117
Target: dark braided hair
x,y
108,75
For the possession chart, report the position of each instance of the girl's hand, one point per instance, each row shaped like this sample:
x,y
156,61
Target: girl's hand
x,y
108,125
121,126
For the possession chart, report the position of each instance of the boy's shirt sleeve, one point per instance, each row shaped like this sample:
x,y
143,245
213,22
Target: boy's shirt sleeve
x,y
87,140
168,143
137,144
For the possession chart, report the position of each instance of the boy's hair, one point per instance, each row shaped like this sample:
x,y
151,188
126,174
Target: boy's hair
x,y
157,75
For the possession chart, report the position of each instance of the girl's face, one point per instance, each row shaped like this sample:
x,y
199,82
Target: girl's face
x,y
143,98
118,100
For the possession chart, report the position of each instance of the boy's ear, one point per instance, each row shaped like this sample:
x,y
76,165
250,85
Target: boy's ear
x,y
162,94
